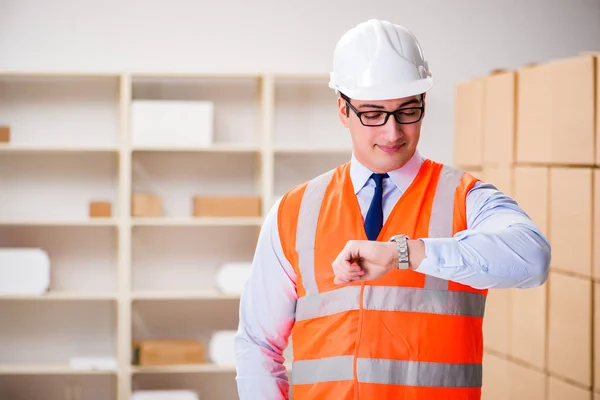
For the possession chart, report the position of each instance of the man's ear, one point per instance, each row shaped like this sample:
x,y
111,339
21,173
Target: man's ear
x,y
343,111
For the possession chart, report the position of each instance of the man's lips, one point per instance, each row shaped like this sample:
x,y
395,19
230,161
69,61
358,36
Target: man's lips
x,y
390,149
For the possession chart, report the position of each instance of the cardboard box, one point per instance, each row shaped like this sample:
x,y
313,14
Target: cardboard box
x,y
500,176
496,378
499,122
543,114
146,205
100,209
597,109
227,206
476,173
468,124
561,390
496,324
4,134
596,396
526,383
575,78
168,352
534,123
596,233
596,336
528,325
532,193
571,222
570,328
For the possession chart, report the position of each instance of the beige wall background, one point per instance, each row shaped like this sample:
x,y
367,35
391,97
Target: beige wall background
x,y
461,38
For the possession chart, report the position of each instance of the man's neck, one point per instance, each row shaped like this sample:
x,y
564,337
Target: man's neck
x,y
402,176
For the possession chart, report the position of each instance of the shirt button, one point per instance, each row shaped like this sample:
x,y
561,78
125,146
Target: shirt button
x,y
485,269
442,260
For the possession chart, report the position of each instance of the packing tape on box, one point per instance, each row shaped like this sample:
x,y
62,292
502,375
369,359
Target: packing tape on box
x,y
221,348
232,277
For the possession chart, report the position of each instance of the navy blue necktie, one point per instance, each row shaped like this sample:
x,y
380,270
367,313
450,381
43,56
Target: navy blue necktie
x,y
374,218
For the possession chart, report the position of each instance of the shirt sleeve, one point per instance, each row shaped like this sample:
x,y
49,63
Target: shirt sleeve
x,y
266,318
501,247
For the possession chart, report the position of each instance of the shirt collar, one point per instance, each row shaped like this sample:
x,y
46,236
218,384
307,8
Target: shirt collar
x,y
402,177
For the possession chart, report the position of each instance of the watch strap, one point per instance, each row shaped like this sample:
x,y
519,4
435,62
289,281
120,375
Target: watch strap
x,y
402,245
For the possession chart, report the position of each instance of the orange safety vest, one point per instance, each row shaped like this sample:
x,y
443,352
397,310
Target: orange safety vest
x,y
405,335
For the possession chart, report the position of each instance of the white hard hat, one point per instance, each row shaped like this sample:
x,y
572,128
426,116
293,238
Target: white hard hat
x,y
378,60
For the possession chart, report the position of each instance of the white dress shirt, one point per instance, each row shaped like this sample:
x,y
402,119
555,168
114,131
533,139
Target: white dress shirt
x,y
501,248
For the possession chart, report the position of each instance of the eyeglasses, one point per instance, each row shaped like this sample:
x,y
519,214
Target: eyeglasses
x,y
409,115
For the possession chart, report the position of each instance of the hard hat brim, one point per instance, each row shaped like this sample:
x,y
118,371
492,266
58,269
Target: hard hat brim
x,y
386,92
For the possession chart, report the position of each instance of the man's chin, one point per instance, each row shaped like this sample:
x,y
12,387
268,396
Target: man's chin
x,y
393,164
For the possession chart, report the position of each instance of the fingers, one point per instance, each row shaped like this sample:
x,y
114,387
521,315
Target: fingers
x,y
352,274
343,281
345,268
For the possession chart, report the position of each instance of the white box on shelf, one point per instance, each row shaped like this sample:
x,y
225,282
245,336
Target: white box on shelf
x,y
221,348
232,277
172,123
93,363
164,395
24,271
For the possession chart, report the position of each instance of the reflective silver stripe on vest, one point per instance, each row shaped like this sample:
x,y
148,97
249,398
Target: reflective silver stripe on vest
x,y
323,370
415,373
392,372
441,221
317,305
308,216
389,298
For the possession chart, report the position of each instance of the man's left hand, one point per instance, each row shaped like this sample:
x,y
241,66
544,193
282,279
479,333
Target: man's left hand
x,y
362,260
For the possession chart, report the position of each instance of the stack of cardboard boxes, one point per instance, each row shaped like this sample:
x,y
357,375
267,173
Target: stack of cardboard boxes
x,y
535,134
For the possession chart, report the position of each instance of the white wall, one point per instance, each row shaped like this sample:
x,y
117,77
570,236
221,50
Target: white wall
x,y
461,38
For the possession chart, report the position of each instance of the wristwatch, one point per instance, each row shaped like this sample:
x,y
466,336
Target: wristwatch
x,y
402,243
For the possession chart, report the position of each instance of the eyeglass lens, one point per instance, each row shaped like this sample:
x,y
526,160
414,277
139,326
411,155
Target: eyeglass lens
x,y
404,116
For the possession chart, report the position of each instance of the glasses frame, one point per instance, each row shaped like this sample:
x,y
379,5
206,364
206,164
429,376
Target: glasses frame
x,y
387,113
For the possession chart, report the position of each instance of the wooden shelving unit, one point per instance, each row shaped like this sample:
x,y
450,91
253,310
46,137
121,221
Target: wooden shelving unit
x,y
122,278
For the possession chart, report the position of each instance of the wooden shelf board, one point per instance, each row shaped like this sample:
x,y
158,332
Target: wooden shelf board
x,y
22,148
182,295
198,221
313,150
216,148
60,223
177,369
192,368
62,296
57,74
193,75
48,369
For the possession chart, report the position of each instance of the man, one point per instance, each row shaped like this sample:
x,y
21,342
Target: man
x,y
380,268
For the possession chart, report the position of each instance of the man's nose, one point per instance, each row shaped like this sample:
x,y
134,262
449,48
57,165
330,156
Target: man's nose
x,y
392,130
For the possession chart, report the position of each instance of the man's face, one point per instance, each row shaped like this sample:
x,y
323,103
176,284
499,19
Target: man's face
x,y
387,147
